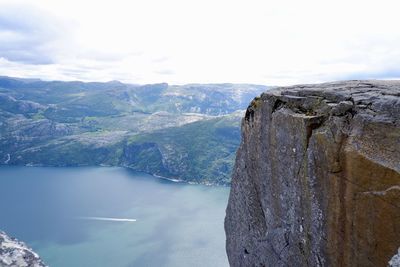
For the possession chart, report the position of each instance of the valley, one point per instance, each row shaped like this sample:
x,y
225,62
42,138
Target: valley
x,y
189,132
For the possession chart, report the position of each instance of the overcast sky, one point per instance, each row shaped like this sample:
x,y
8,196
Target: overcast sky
x,y
273,42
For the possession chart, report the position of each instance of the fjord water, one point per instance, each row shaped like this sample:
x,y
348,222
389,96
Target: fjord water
x,y
59,213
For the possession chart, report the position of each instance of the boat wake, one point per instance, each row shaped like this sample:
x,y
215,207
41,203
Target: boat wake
x,y
108,219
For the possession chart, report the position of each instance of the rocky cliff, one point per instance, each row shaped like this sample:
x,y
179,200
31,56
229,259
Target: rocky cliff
x,y
16,253
317,177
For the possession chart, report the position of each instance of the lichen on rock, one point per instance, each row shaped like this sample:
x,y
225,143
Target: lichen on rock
x,y
317,177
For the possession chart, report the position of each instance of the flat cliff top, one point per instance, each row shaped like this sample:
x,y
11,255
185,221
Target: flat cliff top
x,y
374,103
376,97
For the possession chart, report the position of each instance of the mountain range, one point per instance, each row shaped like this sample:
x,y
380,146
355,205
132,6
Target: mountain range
x,y
183,132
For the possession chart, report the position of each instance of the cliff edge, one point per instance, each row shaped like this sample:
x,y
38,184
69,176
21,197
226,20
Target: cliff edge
x,y
317,177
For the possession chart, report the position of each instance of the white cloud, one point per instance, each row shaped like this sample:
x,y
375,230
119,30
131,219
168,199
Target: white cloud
x,y
183,41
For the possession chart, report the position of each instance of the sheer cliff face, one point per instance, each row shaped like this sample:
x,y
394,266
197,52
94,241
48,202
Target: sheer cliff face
x,y
317,177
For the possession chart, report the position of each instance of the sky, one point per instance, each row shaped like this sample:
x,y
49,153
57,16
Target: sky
x,y
271,42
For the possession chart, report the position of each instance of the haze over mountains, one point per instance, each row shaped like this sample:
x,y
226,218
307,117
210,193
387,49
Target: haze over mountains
x,y
189,132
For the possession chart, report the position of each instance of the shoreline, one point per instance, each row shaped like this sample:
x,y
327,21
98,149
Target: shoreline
x,y
174,180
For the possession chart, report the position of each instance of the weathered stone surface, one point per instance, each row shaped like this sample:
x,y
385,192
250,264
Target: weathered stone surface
x,y
317,177
16,253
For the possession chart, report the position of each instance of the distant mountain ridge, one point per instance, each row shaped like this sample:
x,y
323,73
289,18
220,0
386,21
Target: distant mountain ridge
x,y
186,132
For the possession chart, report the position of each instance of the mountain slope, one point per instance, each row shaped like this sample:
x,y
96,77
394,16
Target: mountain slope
x,y
202,151
74,123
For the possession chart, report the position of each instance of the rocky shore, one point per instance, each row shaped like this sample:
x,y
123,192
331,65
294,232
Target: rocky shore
x,y
16,254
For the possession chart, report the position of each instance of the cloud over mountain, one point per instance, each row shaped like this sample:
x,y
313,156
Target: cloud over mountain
x,y
258,41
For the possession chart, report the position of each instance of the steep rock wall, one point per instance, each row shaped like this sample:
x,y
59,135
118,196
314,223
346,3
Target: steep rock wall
x,y
317,177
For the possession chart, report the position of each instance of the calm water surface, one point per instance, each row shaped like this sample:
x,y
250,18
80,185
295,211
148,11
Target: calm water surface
x,y
56,210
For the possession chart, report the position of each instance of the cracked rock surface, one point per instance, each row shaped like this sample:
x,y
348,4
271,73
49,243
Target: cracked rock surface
x,y
317,177
16,254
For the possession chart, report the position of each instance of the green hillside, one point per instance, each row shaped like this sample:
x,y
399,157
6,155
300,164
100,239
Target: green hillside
x,y
188,132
